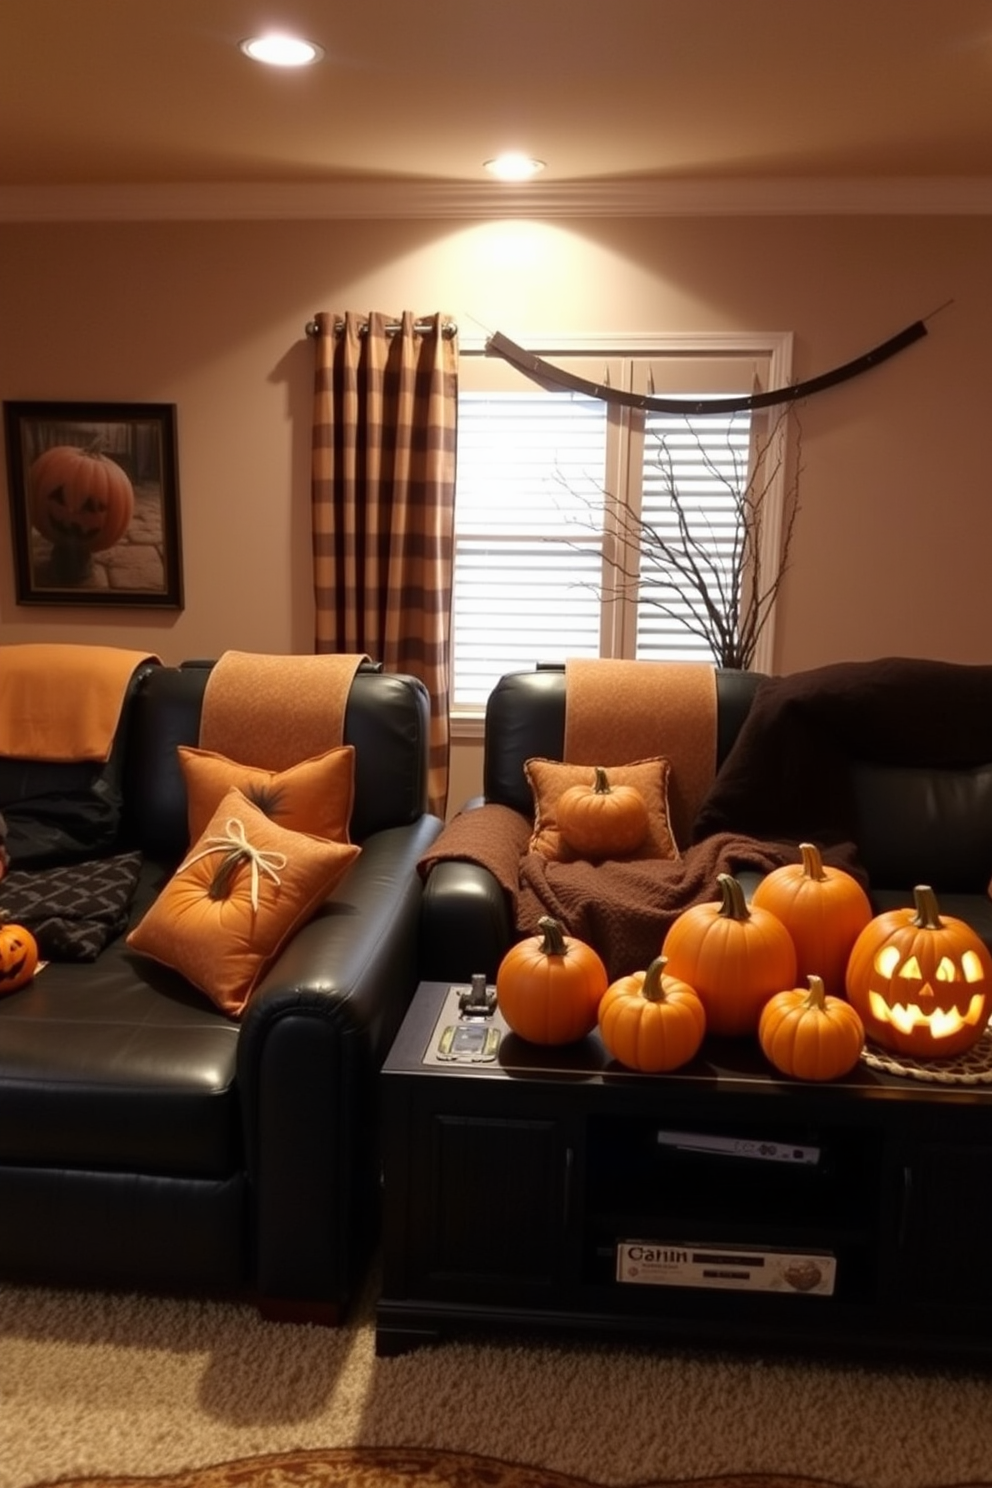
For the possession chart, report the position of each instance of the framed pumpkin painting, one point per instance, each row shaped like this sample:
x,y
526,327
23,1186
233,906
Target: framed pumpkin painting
x,y
94,503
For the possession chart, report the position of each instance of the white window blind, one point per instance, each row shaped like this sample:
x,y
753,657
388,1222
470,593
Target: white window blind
x,y
528,564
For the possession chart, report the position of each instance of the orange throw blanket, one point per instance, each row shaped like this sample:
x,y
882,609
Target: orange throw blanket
x,y
63,702
276,711
620,711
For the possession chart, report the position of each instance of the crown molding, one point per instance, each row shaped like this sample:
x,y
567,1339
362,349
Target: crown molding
x,y
282,201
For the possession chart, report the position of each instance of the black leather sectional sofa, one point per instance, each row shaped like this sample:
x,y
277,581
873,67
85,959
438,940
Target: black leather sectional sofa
x,y
894,756
149,1141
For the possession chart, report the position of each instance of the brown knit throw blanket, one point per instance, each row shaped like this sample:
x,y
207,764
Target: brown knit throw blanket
x,y
622,909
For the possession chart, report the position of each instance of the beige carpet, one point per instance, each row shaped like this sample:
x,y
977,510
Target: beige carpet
x,y
107,1390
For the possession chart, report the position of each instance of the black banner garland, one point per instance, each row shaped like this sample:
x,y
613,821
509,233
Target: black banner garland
x,y
541,371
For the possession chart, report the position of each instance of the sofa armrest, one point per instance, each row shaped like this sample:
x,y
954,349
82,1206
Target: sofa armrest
x,y
313,1038
466,923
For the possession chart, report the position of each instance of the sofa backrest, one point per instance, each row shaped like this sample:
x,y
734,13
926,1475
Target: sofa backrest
x,y
525,719
921,825
915,825
386,719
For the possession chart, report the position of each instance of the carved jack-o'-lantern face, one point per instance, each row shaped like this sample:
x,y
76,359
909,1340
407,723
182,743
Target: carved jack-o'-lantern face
x,y
922,982
80,498
18,957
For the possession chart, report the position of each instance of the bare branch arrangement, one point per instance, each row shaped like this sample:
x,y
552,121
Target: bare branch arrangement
x,y
720,585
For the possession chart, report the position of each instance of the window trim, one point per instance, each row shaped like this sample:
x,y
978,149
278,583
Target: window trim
x,y
775,347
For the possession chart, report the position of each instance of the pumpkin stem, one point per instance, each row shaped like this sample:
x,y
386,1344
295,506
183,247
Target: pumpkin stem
x,y
553,943
601,784
220,884
927,915
734,906
94,446
817,992
812,861
653,988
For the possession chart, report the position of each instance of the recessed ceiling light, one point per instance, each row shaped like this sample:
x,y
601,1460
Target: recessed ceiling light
x,y
282,51
514,167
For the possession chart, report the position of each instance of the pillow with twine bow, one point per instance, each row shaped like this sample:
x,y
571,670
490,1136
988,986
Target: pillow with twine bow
x,y
245,887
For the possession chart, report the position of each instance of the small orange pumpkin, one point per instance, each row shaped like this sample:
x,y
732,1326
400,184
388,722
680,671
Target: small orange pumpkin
x,y
735,958
18,957
823,909
810,1035
651,1022
549,986
600,820
80,498
921,981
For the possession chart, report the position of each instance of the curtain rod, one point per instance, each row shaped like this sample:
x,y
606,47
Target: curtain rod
x,y
449,328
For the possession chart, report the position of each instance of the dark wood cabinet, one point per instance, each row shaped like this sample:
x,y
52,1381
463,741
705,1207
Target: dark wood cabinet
x,y
719,1205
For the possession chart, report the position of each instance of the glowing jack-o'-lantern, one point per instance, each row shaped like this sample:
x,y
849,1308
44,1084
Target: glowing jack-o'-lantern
x,y
922,982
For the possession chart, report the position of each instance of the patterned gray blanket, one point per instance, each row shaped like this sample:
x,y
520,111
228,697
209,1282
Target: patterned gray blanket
x,y
73,912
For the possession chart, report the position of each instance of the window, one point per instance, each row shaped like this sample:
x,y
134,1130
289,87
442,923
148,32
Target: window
x,y
557,490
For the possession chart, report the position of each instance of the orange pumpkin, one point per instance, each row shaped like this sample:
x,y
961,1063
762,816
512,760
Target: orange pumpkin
x,y
735,958
810,1035
823,909
600,820
921,981
80,498
549,986
18,957
652,1022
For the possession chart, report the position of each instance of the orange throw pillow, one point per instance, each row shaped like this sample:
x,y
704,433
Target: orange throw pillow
x,y
242,891
315,796
550,778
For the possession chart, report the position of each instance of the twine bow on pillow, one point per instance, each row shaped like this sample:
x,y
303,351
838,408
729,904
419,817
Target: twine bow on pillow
x,y
237,849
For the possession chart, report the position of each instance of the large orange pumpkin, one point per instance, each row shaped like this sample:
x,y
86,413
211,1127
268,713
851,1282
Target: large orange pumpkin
x,y
18,957
652,1022
600,820
823,909
549,986
810,1035
80,498
921,981
734,957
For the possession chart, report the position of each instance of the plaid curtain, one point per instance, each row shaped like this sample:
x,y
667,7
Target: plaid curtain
x,y
383,501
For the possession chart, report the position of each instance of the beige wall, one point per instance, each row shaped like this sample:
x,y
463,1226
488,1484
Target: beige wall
x,y
895,534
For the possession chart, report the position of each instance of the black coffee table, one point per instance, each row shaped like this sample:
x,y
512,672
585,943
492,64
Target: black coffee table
x,y
549,1189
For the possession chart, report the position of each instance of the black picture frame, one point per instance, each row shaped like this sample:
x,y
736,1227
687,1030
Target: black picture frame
x,y
78,537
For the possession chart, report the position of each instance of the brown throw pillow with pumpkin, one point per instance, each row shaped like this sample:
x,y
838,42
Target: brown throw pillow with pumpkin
x,y
632,808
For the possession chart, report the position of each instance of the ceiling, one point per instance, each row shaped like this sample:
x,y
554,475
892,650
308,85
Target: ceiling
x,y
788,100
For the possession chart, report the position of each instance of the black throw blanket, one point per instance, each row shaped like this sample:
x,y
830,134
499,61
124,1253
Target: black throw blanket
x,y
75,910
787,776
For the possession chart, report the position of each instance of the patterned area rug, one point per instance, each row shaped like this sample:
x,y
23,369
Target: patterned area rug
x,y
399,1467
